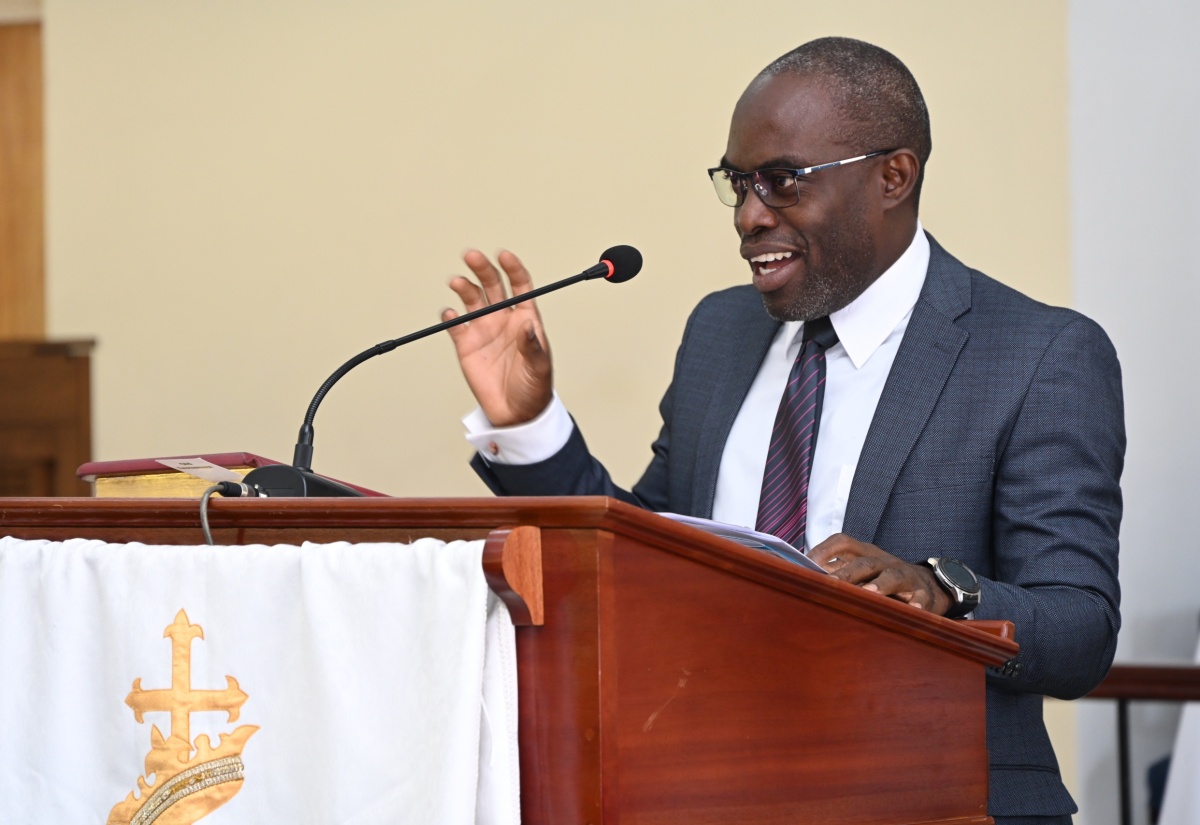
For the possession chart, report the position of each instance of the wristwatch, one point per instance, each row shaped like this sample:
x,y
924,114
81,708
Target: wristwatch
x,y
959,582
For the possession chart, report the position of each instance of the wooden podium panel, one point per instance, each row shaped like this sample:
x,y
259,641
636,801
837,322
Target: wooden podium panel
x,y
677,677
45,417
763,707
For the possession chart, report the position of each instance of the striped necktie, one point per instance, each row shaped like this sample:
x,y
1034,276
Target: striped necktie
x,y
783,504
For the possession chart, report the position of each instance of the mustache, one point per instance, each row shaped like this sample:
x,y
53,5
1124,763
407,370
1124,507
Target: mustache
x,y
781,238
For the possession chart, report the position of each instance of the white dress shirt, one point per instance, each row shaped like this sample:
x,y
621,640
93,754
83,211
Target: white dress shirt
x,y
869,333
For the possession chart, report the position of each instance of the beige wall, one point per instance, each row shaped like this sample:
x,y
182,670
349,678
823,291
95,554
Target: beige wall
x,y
241,196
20,11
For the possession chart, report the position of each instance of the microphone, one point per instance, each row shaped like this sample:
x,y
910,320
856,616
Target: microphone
x,y
617,265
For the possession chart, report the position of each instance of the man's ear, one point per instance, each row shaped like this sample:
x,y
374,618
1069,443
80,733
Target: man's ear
x,y
898,181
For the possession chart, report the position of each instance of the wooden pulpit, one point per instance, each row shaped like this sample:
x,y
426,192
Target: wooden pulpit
x,y
666,676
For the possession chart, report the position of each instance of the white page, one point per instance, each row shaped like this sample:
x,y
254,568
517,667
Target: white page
x,y
748,538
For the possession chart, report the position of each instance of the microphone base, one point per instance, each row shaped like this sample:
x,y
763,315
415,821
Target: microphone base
x,y
282,481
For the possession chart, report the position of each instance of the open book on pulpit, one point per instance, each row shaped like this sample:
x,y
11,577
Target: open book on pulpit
x,y
173,476
749,538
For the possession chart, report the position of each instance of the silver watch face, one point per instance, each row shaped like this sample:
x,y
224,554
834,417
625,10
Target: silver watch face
x,y
959,575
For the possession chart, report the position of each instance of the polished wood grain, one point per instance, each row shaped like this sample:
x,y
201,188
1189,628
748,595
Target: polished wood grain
x,y
677,677
1001,630
1166,683
736,702
512,563
22,199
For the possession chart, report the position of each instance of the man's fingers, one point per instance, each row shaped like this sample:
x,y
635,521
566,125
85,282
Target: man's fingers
x,y
912,599
454,332
835,563
878,571
518,275
889,581
469,293
896,583
488,275
491,288
856,570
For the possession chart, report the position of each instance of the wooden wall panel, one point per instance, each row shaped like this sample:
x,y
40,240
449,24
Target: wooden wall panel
x,y
22,213
45,417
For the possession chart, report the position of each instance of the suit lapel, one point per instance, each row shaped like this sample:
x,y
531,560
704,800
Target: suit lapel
x,y
931,345
745,356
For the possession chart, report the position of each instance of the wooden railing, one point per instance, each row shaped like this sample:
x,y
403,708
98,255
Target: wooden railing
x,y
1143,683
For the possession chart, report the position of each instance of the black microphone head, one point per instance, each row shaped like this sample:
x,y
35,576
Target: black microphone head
x,y
625,262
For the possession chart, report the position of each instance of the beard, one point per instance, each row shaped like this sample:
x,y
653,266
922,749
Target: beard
x,y
843,272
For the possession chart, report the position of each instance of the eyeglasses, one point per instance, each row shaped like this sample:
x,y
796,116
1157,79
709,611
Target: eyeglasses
x,y
776,188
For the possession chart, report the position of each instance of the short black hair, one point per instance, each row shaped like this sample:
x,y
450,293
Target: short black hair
x,y
875,94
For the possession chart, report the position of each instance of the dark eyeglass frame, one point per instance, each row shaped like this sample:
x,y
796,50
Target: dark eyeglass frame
x,y
730,183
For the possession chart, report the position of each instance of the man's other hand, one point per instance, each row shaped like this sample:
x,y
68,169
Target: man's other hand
x,y
504,356
873,569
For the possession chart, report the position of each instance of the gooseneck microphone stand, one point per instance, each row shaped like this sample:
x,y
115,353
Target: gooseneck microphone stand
x,y
617,265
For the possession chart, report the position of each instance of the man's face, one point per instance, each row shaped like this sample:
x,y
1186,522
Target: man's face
x,y
813,258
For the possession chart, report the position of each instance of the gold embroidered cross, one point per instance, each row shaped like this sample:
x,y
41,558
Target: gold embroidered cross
x,y
180,699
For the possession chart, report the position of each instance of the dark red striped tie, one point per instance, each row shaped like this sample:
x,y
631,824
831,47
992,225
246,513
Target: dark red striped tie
x,y
783,505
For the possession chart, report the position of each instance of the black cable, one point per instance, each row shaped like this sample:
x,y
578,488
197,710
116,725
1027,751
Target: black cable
x,y
204,512
228,489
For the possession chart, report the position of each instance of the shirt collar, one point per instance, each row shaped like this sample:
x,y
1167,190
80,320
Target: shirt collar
x,y
869,319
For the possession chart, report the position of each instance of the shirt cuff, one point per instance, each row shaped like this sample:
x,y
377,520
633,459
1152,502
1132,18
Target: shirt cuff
x,y
527,443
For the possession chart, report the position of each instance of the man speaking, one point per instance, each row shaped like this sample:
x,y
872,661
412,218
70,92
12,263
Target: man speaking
x,y
925,431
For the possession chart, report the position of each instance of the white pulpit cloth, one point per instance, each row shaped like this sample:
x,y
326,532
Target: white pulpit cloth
x,y
380,678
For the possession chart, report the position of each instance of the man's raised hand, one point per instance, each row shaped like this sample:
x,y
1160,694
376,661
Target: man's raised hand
x,y
504,356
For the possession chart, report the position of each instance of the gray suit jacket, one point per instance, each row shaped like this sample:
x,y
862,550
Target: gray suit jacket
x,y
999,440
